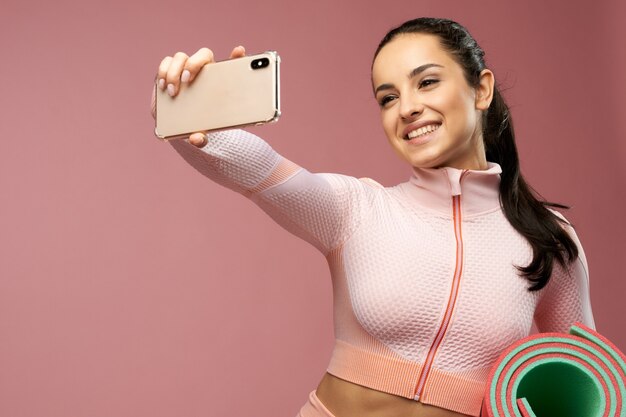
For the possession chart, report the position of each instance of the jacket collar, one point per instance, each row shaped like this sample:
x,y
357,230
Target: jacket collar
x,y
434,188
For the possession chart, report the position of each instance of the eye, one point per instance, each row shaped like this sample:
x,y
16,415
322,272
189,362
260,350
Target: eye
x,y
427,82
385,100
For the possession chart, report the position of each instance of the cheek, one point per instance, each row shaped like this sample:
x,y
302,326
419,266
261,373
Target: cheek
x,y
458,111
388,123
465,104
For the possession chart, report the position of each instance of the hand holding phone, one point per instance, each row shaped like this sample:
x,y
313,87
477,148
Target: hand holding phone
x,y
181,68
191,96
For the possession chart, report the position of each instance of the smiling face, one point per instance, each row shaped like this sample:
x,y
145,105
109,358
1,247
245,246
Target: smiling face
x,y
430,114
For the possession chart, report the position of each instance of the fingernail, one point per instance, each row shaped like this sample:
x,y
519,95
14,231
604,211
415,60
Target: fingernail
x,y
161,83
185,77
171,90
198,142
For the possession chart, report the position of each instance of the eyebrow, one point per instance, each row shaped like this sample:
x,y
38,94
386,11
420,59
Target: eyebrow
x,y
416,71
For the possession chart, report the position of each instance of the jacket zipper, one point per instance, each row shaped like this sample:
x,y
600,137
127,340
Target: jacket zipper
x,y
458,270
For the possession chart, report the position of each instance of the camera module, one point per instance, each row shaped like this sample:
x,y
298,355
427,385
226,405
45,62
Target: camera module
x,y
260,63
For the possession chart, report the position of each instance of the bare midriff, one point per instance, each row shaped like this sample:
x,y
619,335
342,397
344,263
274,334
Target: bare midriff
x,y
346,399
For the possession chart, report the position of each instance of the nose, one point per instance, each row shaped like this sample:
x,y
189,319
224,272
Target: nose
x,y
410,107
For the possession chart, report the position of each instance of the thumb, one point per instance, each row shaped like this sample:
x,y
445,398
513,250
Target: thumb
x,y
198,139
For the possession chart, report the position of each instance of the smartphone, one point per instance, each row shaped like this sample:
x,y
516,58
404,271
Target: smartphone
x,y
227,94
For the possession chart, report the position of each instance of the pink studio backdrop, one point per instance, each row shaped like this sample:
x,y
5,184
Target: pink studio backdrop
x,y
130,285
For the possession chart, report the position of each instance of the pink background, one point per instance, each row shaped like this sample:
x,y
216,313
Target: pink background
x,y
130,285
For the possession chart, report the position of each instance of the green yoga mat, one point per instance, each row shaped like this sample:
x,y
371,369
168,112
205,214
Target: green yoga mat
x,y
581,374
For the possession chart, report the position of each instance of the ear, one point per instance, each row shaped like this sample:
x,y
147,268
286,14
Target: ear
x,y
484,91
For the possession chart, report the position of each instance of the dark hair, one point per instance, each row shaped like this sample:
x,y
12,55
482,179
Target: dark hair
x,y
526,213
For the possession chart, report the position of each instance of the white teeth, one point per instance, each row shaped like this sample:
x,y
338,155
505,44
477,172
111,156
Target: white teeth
x,y
422,131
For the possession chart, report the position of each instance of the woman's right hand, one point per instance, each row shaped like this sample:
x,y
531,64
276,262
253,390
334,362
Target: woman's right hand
x,y
182,68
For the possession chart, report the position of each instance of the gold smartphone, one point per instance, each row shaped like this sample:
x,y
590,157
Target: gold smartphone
x,y
227,94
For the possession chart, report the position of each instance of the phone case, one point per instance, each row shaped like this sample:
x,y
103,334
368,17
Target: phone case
x,y
227,94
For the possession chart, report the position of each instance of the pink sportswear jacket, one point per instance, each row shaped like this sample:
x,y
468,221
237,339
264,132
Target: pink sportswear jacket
x,y
426,294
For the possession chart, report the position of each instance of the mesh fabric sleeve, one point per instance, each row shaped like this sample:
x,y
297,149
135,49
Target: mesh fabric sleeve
x,y
323,209
565,299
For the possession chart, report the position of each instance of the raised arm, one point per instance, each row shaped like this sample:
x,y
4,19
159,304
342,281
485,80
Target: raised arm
x,y
323,209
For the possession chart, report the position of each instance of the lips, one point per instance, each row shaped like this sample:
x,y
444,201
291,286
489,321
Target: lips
x,y
417,125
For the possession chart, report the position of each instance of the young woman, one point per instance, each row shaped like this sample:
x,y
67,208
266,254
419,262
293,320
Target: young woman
x,y
432,278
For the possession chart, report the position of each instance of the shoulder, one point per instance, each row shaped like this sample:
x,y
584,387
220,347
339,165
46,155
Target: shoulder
x,y
342,180
565,224
558,214
569,228
372,183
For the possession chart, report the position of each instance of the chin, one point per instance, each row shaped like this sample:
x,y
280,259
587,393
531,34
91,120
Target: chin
x,y
418,163
424,161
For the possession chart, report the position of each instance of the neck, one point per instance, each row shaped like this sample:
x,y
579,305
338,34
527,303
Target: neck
x,y
472,156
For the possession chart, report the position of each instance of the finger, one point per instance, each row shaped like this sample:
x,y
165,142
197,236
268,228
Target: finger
x,y
238,52
162,73
153,102
198,139
174,71
195,63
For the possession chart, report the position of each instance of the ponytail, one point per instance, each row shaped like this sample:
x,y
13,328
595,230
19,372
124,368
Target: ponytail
x,y
529,215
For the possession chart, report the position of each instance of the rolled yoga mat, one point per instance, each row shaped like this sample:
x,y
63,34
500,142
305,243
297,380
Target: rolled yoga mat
x,y
581,374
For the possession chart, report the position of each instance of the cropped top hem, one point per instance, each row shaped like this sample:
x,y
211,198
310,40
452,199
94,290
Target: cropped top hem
x,y
457,392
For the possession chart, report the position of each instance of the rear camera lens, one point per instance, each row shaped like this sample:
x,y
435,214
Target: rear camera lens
x,y
260,63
